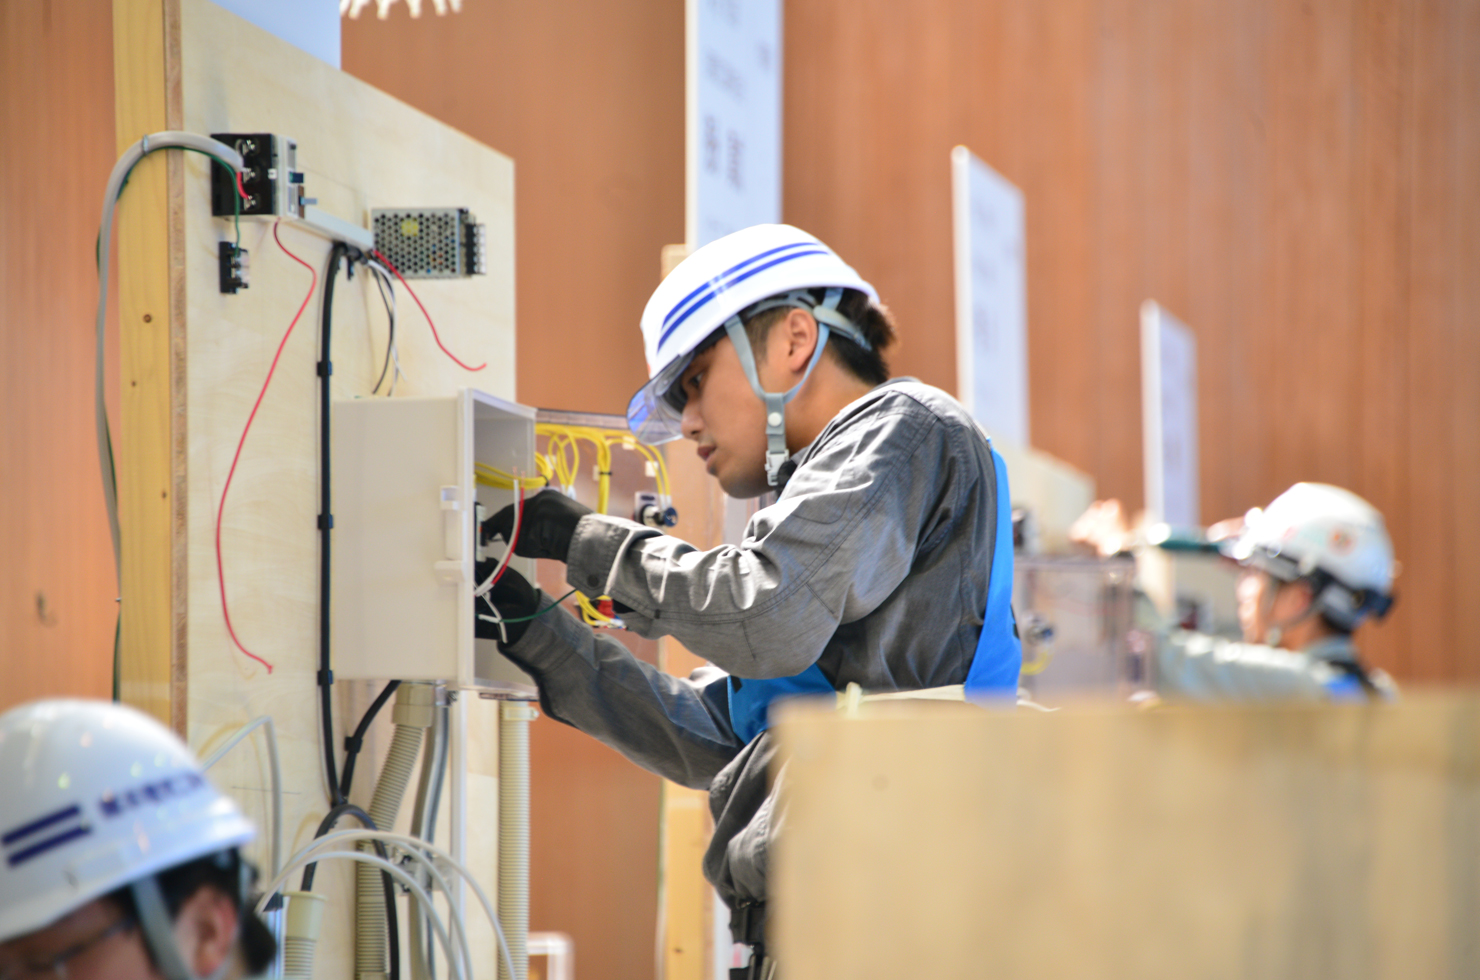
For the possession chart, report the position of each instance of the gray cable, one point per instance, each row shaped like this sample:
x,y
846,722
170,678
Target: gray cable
x,y
169,139
277,779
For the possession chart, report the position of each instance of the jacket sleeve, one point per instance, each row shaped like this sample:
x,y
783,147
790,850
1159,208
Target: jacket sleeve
x,y
1197,667
678,728
838,542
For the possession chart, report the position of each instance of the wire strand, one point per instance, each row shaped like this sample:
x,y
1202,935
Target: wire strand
x,y
221,510
435,336
508,558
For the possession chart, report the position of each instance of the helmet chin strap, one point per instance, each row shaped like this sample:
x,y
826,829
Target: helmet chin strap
x,y
159,933
824,313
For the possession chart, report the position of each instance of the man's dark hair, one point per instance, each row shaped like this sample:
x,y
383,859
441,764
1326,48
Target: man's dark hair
x,y
872,319
221,871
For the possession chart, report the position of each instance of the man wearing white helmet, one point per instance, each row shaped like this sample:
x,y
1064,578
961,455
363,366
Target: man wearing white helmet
x,y
885,559
120,859
1317,564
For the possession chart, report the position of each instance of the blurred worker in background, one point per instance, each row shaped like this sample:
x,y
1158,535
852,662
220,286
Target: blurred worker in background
x,y
1317,563
884,560
121,860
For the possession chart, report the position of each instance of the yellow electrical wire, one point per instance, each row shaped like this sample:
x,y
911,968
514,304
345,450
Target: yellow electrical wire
x,y
490,476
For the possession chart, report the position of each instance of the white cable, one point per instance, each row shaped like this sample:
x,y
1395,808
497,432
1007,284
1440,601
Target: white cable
x,y
509,552
169,139
419,849
496,619
395,871
264,721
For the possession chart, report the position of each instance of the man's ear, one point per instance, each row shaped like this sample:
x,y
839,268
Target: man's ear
x,y
798,331
206,930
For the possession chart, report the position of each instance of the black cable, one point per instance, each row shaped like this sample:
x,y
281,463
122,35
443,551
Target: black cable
x,y
392,919
353,743
390,344
326,523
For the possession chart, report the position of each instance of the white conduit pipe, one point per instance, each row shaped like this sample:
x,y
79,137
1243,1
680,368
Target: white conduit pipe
x,y
513,833
413,714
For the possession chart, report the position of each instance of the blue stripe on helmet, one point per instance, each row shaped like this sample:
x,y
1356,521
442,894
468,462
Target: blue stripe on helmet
x,y
720,285
679,306
41,823
43,846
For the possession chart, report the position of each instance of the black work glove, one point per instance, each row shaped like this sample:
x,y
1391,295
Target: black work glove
x,y
512,596
547,524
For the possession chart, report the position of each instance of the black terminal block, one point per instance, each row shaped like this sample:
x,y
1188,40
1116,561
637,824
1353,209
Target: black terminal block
x,y
259,176
233,264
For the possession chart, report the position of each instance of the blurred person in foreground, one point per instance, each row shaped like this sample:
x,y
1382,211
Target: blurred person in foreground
x,y
1317,563
121,861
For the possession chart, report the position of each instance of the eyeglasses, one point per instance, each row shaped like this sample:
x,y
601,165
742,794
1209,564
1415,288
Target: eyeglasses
x,y
56,966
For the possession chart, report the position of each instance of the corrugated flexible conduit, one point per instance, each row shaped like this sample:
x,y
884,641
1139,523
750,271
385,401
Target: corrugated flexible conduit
x,y
513,833
413,714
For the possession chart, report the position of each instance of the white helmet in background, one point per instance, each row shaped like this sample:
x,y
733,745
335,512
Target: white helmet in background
x,y
752,270
1329,536
98,796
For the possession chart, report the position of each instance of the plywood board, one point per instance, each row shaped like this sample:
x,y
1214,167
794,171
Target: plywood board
x,y
948,841
359,149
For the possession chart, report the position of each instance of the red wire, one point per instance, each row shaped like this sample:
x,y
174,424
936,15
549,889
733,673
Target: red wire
x,y
513,538
220,568
387,263
240,187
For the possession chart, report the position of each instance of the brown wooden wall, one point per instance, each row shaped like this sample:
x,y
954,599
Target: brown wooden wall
x,y
1299,182
57,581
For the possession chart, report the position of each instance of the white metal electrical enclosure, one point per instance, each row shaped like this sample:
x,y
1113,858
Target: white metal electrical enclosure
x,y
404,537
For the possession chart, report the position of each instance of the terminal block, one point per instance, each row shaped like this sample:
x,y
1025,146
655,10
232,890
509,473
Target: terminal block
x,y
270,177
233,263
431,243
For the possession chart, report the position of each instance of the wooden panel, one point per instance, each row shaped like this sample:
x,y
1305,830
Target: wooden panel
x,y
57,585
950,841
359,149
149,457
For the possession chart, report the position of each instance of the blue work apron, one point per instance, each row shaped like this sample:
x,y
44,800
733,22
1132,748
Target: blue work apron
x,y
994,669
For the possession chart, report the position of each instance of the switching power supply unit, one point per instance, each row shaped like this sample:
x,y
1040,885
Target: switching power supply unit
x,y
431,243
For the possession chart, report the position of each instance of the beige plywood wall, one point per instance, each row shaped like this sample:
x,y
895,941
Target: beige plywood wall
x,y
949,841
359,149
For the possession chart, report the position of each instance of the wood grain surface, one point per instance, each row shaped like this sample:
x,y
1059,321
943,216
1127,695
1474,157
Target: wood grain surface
x,y
948,841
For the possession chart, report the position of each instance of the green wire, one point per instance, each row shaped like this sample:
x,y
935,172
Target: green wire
x,y
557,602
236,198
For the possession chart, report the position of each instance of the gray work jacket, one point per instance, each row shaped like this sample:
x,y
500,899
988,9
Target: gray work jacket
x,y
1198,667
873,563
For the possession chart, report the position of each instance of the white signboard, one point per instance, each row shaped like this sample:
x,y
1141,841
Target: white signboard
x,y
1169,417
991,298
734,116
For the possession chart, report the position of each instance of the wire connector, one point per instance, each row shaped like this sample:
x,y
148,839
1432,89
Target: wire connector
x,y
234,267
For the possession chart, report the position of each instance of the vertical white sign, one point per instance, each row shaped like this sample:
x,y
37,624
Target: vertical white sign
x,y
991,297
733,176
1169,417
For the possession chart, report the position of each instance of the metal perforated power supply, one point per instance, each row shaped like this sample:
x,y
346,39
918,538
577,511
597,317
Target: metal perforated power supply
x,y
430,243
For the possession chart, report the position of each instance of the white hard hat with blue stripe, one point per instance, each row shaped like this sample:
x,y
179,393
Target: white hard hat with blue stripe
x,y
751,270
99,797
